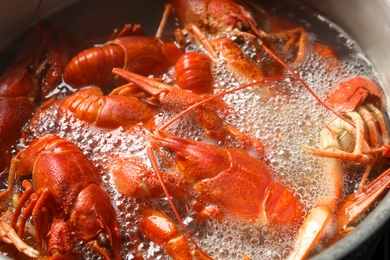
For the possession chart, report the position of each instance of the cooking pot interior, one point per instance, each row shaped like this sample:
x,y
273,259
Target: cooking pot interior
x,y
367,22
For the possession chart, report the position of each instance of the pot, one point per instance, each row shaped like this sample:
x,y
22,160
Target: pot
x,y
367,22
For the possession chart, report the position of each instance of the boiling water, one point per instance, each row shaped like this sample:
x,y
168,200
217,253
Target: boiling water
x,y
282,124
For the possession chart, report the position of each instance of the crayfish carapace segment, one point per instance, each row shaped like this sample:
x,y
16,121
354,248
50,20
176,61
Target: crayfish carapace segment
x,y
226,156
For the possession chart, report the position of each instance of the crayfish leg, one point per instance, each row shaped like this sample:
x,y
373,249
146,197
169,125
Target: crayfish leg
x,y
127,30
11,179
8,235
333,147
159,228
163,22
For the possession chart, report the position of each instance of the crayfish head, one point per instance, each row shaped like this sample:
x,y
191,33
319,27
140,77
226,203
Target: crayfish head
x,y
94,220
48,143
354,91
61,242
18,81
228,15
195,160
215,16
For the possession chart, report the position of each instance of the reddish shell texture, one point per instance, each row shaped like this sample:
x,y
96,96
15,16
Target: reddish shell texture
x,y
193,72
352,92
139,54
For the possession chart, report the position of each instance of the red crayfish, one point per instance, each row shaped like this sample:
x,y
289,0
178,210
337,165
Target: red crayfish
x,y
66,199
141,54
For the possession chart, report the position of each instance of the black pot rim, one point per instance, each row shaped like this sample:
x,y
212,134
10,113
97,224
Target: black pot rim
x,y
373,223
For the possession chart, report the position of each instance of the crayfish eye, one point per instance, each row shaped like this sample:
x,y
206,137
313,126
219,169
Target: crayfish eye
x,y
242,27
103,240
54,251
31,69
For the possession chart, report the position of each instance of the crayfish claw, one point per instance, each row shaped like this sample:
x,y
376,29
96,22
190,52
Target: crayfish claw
x,y
310,232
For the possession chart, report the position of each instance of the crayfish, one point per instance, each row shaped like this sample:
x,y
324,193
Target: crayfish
x,y
67,191
129,50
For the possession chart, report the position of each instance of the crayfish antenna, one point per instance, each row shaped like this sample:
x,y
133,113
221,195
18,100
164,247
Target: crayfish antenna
x,y
296,76
216,96
189,236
